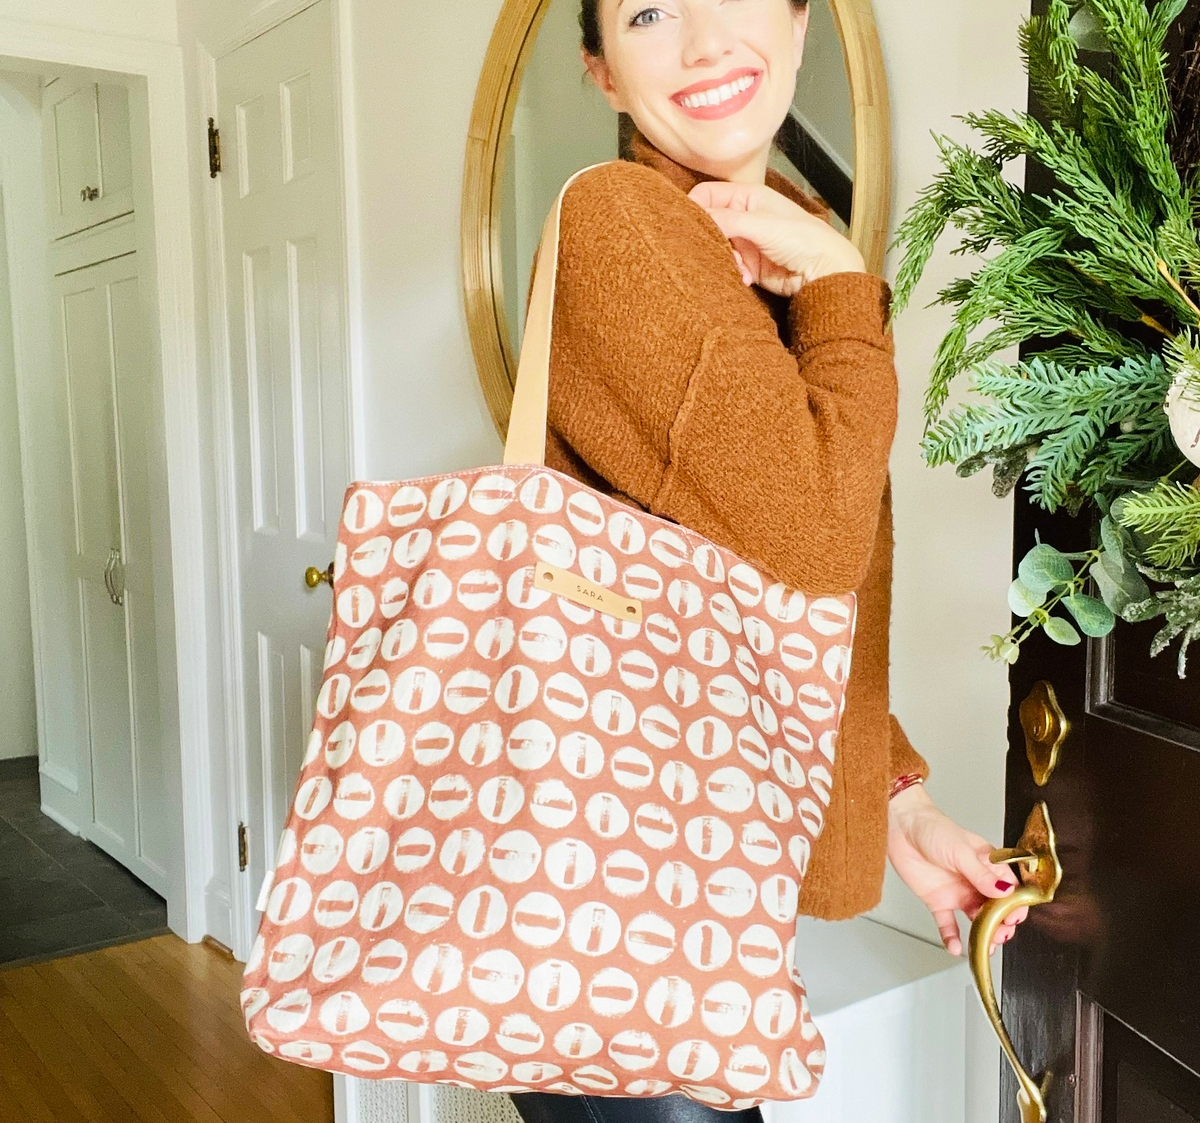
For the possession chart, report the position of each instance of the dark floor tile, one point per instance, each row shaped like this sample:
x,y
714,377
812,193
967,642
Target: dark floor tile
x,y
60,893
45,891
150,921
61,935
18,855
65,848
119,888
43,830
18,767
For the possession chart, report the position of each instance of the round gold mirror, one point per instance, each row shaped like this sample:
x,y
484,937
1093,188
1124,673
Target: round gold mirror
x,y
536,120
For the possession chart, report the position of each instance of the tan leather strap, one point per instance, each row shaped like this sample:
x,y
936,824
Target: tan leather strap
x,y
526,443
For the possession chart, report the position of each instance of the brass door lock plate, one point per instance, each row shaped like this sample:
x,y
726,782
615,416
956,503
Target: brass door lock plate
x,y
1046,728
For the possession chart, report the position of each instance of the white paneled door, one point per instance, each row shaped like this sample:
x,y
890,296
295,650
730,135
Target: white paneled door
x,y
102,345
281,197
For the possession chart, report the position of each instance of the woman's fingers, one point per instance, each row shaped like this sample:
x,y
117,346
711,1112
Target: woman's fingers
x,y
720,195
947,925
750,226
989,880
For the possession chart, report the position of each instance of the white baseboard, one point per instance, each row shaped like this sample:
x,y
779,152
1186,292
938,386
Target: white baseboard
x,y
64,779
61,819
218,912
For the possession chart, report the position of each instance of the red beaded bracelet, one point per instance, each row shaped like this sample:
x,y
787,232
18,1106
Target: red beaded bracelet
x,y
902,783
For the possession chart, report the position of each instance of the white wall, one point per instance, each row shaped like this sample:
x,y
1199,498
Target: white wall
x,y
424,410
953,539
141,19
18,705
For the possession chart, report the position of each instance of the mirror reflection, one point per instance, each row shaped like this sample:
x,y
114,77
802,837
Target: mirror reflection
x,y
562,123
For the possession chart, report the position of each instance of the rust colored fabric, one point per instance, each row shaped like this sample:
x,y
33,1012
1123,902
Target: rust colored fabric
x,y
544,839
762,423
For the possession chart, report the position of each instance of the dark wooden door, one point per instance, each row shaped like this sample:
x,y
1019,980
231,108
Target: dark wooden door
x,y
1102,986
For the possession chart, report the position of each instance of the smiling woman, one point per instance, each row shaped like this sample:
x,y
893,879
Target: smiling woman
x,y
535,121
647,52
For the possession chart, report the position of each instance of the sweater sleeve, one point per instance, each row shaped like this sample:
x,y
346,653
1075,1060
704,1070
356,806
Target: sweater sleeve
x,y
903,759
779,454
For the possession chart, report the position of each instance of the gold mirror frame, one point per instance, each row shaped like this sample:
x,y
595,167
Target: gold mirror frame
x,y
491,121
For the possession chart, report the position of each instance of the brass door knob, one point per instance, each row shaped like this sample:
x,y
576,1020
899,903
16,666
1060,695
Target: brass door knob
x,y
314,576
1046,728
1036,859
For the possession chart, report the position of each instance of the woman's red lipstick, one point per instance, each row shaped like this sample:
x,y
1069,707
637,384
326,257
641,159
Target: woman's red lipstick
x,y
744,77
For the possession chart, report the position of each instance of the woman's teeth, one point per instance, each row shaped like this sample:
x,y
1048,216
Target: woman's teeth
x,y
717,94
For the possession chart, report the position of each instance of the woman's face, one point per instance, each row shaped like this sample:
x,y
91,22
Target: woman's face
x,y
707,82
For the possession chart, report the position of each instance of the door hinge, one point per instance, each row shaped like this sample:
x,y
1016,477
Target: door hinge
x,y
214,148
243,847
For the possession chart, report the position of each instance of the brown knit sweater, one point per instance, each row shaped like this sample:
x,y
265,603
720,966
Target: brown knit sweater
x,y
763,423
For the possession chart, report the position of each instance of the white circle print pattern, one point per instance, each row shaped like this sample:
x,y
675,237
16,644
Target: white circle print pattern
x,y
535,845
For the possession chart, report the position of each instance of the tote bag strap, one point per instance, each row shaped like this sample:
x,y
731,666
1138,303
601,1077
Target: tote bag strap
x,y
526,443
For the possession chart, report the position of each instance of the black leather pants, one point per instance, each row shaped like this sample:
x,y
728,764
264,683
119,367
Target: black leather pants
x,y
553,1107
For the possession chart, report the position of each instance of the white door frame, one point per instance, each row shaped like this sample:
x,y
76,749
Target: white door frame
x,y
242,915
161,66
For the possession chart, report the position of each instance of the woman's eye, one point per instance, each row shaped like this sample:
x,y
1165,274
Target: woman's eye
x,y
646,17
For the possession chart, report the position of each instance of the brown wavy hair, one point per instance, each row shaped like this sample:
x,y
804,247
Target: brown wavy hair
x,y
589,24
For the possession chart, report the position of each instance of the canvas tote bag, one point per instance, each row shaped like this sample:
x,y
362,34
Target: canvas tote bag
x,y
568,764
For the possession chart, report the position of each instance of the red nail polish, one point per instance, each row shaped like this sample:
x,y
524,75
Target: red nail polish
x,y
1004,886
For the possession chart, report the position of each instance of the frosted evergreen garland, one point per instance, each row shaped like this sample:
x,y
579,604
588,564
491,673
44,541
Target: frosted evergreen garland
x,y
1103,270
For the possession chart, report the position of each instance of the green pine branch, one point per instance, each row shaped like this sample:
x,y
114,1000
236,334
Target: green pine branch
x,y
1079,427
1168,516
1112,243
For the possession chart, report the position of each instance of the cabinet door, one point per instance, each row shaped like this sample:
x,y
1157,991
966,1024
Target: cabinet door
x,y
101,346
89,170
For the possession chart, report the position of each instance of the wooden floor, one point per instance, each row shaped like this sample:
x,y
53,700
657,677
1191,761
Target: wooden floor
x,y
147,1032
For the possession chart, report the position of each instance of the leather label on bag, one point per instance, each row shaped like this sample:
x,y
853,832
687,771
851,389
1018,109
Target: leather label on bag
x,y
585,592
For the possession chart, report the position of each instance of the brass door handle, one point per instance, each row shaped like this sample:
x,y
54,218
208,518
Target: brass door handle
x,y
1036,859
314,576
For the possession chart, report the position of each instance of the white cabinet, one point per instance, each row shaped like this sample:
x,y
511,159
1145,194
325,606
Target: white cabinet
x,y
95,497
88,165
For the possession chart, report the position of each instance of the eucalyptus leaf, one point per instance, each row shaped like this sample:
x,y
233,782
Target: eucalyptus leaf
x,y
1093,616
1061,631
1124,575
1112,593
1022,599
1111,538
1043,568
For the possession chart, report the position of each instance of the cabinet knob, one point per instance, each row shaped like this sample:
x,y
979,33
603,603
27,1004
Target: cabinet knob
x,y
89,194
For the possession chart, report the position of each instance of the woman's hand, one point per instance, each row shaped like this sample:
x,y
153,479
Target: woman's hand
x,y
945,866
777,244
